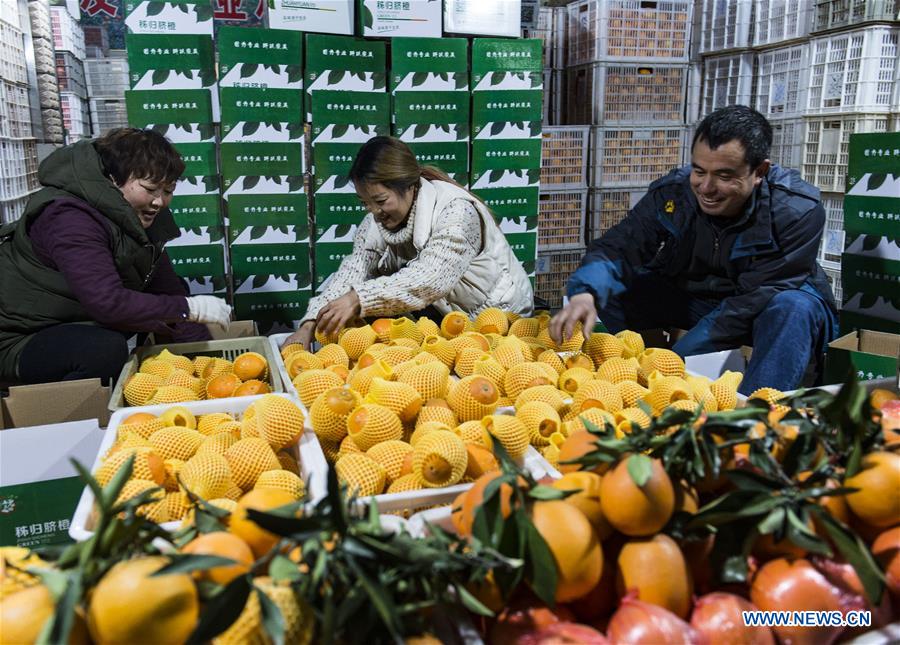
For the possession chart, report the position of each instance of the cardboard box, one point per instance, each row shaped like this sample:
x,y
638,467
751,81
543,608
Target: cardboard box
x,y
510,61
260,58
511,203
480,18
170,61
147,108
875,152
262,115
431,117
339,233
507,114
387,18
191,211
237,329
47,403
270,258
337,209
873,354
343,64
328,259
255,214
326,16
199,159
451,157
208,285
280,306
524,245
181,17
429,64
870,312
498,160
39,487
348,117
198,261
263,159
871,264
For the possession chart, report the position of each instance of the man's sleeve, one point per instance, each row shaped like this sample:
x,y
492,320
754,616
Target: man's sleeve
x,y
788,267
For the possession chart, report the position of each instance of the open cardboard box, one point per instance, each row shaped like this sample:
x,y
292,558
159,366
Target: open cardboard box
x,y
872,354
39,486
46,403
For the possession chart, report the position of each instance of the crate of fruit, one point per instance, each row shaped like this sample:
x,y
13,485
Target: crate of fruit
x,y
195,371
564,154
202,445
561,219
608,207
634,156
552,271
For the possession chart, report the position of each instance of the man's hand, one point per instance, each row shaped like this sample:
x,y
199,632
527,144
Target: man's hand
x,y
338,314
303,335
580,309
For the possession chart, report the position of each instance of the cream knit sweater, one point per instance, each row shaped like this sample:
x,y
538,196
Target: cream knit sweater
x,y
432,275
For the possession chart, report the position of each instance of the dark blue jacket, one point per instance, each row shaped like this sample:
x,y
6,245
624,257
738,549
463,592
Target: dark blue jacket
x,y
772,247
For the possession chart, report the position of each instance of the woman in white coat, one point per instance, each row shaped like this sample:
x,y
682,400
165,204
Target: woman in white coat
x,y
426,243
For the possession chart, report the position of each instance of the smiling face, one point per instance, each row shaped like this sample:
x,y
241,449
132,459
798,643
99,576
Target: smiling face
x,y
388,207
147,198
722,180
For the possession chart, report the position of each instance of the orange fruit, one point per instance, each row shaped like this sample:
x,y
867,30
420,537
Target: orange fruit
x,y
23,614
635,510
382,327
139,417
454,324
473,499
886,549
586,499
258,539
576,445
328,413
656,568
574,545
250,366
252,388
224,545
222,386
473,397
480,461
876,502
878,397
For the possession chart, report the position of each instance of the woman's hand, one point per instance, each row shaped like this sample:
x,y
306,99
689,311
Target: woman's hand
x,y
338,314
303,335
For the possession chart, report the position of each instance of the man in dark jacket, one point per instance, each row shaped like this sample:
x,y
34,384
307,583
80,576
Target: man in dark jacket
x,y
725,248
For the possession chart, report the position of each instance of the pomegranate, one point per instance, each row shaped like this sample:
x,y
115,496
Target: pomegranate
x,y
718,617
640,623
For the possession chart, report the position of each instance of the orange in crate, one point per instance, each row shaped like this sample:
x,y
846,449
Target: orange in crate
x,y
454,324
222,386
473,397
250,365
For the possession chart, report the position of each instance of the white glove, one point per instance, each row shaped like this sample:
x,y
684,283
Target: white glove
x,y
209,309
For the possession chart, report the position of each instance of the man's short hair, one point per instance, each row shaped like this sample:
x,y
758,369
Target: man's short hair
x,y
739,122
134,153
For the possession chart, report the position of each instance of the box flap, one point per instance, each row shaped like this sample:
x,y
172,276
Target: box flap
x,y
237,329
40,453
880,343
849,341
32,405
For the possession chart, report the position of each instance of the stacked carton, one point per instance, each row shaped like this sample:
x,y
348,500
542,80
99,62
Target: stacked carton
x,y
409,18
263,164
507,101
346,82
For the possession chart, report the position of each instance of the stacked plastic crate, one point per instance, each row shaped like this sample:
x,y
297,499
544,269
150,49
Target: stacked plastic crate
x,y
550,28
172,76
506,137
107,81
18,156
45,68
69,54
263,171
347,100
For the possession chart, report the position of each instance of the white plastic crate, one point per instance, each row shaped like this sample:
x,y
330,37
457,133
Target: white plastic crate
x,y
609,94
309,455
70,74
634,156
727,80
107,114
834,279
724,24
826,146
9,13
831,246
551,29
561,219
12,209
609,207
564,154
780,20
629,30
554,96
15,111
67,32
787,142
782,81
76,116
18,168
106,77
840,13
12,54
552,271
854,71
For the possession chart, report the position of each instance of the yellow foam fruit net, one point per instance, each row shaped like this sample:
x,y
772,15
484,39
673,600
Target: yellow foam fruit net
x,y
162,369
333,354
143,428
406,328
208,475
362,379
300,361
546,393
282,480
618,369
540,421
601,347
325,339
155,511
217,444
522,376
199,364
131,440
593,415
357,340
632,415
172,394
140,387
311,383
425,428
665,390
148,464
215,367
465,361
430,380
525,328
633,343
492,321
437,413
552,359
178,415
279,420
509,431
348,446
287,461
440,347
470,432
768,394
664,361
176,443
181,362
248,459
509,352
177,506
574,343
173,468
454,323
331,449
404,484
390,455
427,325
573,378
208,423
631,392
396,354
439,459
688,405
370,424
400,398
328,413
597,394
362,475
487,366
473,397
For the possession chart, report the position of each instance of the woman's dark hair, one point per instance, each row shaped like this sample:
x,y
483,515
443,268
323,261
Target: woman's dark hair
x,y
741,123
389,161
128,153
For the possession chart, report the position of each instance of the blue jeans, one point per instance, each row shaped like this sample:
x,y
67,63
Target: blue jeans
x,y
793,329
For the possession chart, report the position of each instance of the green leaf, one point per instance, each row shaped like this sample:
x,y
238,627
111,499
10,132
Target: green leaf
x,y
541,571
188,563
381,603
640,468
222,610
546,493
272,620
857,554
497,128
339,130
64,616
472,603
419,78
204,13
295,73
754,481
250,182
114,488
335,77
773,522
420,131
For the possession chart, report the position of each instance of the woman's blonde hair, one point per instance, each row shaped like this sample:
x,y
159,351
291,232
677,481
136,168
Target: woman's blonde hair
x,y
389,161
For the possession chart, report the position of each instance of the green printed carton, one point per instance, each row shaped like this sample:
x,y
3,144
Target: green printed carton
x,y
507,114
344,64
264,305
332,162
270,115
495,161
329,256
871,354
260,58
871,264
429,64
172,17
255,218
199,158
451,157
431,117
272,160
183,116
270,258
197,211
875,152
349,117
524,246
198,261
390,18
500,64
170,62
337,209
